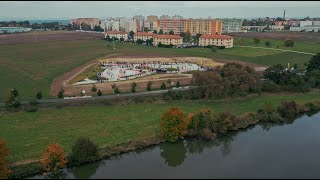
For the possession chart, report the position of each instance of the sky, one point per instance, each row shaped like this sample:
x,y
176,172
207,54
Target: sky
x,y
19,10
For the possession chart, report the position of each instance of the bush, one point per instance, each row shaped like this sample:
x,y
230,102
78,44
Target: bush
x,y
222,122
288,43
83,150
200,121
207,134
221,47
4,165
133,87
269,114
15,92
149,86
288,109
54,158
244,120
173,95
116,90
39,95
99,93
313,106
268,86
60,94
173,124
31,108
94,88
163,86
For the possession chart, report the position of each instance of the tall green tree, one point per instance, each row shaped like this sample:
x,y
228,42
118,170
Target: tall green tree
x,y
149,86
160,32
171,32
256,41
268,43
39,95
133,87
155,32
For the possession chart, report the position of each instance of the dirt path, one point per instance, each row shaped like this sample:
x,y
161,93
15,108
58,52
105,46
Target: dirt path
x,y
278,50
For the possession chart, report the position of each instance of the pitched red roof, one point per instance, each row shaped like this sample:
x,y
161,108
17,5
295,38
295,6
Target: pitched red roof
x,y
144,34
216,36
116,32
166,36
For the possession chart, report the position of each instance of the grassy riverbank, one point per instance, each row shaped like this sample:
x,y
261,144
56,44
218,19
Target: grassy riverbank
x,y
28,134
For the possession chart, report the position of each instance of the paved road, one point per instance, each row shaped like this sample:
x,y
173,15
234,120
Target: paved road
x,y
44,101
278,50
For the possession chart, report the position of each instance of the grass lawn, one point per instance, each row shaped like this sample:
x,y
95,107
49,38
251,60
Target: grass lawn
x,y
32,67
27,134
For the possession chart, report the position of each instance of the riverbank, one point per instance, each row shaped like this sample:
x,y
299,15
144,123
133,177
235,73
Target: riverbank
x,y
21,130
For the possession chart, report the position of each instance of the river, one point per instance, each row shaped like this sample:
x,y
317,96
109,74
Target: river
x,y
261,151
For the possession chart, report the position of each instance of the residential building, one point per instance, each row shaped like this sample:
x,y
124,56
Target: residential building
x,y
254,28
202,26
309,26
152,18
88,21
143,36
216,40
231,25
167,39
165,17
117,34
167,25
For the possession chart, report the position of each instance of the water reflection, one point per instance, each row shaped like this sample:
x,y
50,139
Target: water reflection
x,y
173,153
86,171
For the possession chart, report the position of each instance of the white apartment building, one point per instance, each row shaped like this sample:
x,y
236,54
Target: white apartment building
x,y
167,39
216,40
143,36
117,34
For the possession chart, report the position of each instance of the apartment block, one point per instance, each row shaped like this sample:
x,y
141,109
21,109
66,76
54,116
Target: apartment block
x,y
231,25
202,26
167,25
117,34
167,39
89,21
216,40
143,36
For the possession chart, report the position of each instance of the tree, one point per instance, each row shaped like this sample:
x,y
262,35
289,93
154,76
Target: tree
x,y
163,86
314,63
133,87
146,29
274,73
268,43
160,32
121,39
178,84
171,32
83,150
173,124
155,32
140,41
99,93
39,95
4,165
169,81
187,36
54,158
256,41
240,41
60,94
116,90
15,92
149,86
288,43
94,88
131,34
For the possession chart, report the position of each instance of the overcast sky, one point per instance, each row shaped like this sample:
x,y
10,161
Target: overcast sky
x,y
102,9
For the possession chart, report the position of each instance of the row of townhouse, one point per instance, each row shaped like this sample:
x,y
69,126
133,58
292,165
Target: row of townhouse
x,y
204,40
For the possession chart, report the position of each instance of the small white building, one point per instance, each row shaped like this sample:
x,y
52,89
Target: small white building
x,y
216,40
117,34
143,36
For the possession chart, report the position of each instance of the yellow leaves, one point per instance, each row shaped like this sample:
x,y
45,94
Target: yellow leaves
x,y
54,158
4,153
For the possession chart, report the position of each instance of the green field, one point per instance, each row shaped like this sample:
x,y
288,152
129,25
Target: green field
x,y
32,67
28,134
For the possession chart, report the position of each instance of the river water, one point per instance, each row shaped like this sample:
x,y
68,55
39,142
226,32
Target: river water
x,y
262,151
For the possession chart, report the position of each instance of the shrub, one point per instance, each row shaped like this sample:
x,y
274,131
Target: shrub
x,y
268,43
178,84
269,114
4,165
268,86
173,124
207,134
31,108
222,122
83,150
312,106
200,121
163,86
54,158
15,92
244,120
221,47
116,90
60,94
173,95
288,109
94,88
99,93
133,87
39,95
149,86
288,43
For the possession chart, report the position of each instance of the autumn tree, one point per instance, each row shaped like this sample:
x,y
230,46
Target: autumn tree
x,y
149,86
4,166
256,41
54,158
173,124
133,87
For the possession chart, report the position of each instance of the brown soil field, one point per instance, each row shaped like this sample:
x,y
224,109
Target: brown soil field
x,y
31,37
304,36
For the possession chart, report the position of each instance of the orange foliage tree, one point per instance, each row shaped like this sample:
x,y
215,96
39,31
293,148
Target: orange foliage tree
x,y
4,153
173,124
54,158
